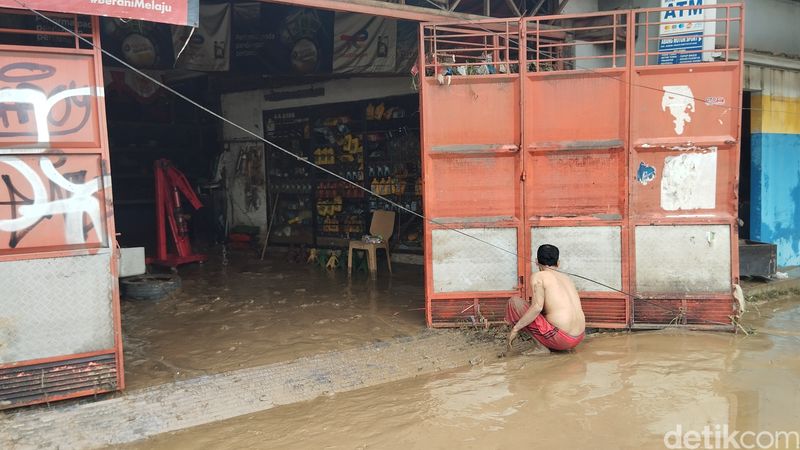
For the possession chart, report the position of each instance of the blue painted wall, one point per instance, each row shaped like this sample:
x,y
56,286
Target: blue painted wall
x,y
775,193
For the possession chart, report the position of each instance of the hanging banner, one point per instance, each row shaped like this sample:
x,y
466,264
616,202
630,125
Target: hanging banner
x,y
281,40
682,31
363,43
208,47
176,12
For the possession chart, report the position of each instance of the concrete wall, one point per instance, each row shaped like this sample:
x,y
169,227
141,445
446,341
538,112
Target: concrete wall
x,y
247,109
775,171
242,108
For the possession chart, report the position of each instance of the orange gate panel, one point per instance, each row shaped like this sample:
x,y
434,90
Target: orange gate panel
x,y
472,171
575,133
59,312
566,130
684,169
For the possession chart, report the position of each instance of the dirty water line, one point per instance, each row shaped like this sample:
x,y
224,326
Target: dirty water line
x,y
210,398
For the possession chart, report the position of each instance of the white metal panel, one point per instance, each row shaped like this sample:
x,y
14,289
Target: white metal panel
x,y
689,181
592,252
55,306
772,81
464,264
683,258
131,262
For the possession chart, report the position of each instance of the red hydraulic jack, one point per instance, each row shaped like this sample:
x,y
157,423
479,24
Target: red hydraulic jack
x,y
170,184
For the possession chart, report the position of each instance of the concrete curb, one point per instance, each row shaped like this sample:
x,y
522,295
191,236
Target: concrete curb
x,y
754,291
183,404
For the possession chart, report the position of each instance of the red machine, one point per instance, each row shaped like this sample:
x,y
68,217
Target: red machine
x,y
170,184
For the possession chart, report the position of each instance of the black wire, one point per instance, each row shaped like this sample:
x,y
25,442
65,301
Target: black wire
x,y
633,297
653,88
301,159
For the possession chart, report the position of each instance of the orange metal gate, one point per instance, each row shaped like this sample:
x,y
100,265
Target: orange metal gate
x,y
574,141
59,307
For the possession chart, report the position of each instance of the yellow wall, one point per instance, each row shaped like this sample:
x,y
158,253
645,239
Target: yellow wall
x,y
772,114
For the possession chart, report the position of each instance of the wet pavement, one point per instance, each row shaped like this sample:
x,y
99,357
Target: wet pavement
x,y
618,390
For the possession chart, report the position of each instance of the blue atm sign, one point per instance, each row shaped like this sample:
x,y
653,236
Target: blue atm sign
x,y
680,33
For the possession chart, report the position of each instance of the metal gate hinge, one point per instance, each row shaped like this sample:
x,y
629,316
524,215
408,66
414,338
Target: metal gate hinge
x,y
522,176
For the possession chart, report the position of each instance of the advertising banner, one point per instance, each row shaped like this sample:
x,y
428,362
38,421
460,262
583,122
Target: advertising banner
x,y
363,43
175,12
206,48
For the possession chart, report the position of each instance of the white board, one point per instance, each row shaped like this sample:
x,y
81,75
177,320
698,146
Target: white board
x,y
683,258
464,264
689,181
592,252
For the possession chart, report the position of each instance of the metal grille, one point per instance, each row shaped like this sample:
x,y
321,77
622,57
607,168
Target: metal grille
x,y
52,381
55,306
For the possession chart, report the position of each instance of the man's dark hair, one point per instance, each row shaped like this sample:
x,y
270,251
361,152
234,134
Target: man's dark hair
x,y
547,255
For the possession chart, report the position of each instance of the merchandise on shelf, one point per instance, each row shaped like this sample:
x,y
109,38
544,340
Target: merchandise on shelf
x,y
372,144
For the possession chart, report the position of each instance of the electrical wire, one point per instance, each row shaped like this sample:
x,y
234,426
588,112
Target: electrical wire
x,y
586,69
320,168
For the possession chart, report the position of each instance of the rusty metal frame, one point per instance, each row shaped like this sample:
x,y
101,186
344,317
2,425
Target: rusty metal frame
x,y
542,34
641,65
102,150
601,307
382,9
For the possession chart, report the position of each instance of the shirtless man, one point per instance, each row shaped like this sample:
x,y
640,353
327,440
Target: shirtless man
x,y
554,318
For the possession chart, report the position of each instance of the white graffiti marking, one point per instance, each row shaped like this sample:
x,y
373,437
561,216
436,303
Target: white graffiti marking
x,y
80,202
680,101
41,104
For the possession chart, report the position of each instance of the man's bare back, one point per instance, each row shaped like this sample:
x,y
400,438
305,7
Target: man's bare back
x,y
562,306
554,316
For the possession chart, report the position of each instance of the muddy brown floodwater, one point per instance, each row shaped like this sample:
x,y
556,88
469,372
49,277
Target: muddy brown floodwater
x,y
622,390
256,312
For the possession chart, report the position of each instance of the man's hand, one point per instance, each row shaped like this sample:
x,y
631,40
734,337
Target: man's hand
x,y
511,336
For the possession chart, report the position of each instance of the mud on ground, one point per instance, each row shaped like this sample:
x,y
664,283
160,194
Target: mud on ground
x,y
617,390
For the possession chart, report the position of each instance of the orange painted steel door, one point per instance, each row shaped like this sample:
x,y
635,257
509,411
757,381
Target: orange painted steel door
x,y
684,163
471,168
575,128
59,309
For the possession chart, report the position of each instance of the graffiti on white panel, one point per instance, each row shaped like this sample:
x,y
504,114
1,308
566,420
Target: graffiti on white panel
x,y
52,194
679,100
27,104
37,103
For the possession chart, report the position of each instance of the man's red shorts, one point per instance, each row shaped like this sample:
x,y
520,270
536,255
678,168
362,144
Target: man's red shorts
x,y
544,332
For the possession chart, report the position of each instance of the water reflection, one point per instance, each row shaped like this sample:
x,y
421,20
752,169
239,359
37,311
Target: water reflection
x,y
616,391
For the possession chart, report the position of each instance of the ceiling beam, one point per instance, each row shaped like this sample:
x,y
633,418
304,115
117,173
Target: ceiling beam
x,y
381,8
513,7
536,8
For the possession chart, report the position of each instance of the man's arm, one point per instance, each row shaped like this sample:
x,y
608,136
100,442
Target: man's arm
x,y
536,305
533,311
